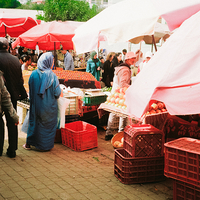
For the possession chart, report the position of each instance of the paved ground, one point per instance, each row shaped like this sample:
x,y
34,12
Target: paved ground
x,y
65,174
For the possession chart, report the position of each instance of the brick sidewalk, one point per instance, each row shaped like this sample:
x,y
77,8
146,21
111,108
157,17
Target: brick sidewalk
x,y
68,175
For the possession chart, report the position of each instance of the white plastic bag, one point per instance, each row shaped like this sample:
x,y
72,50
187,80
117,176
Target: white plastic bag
x,y
26,123
63,103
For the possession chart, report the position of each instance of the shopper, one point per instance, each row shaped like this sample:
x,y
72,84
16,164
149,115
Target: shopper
x,y
12,73
7,107
44,92
124,52
26,62
68,60
122,78
117,60
93,65
108,70
142,65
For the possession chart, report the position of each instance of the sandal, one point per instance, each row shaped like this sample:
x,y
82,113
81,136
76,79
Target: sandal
x,y
27,147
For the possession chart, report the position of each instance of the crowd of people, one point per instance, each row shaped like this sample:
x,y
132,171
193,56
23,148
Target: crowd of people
x,y
113,70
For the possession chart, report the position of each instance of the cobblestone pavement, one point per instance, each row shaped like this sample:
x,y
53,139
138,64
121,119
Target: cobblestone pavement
x,y
68,175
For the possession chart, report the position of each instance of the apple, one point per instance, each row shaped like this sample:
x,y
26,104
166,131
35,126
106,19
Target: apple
x,y
158,111
121,96
117,90
160,105
108,98
152,112
154,106
124,107
116,95
112,100
121,102
122,90
117,100
164,110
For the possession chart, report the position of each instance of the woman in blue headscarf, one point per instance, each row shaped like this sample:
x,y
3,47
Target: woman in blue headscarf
x,y
93,65
44,90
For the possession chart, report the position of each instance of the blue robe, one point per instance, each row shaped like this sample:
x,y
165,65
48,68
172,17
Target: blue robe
x,y
43,113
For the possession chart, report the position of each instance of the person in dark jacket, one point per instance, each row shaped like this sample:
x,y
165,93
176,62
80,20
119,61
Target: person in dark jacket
x,y
12,73
108,73
117,60
7,107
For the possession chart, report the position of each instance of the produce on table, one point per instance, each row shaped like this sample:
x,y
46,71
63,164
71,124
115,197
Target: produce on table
x,y
32,67
156,107
74,75
107,89
117,99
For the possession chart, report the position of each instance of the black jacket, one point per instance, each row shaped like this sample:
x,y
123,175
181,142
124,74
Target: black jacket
x,y
12,73
108,73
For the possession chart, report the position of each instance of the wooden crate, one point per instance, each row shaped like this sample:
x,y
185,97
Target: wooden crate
x,y
72,109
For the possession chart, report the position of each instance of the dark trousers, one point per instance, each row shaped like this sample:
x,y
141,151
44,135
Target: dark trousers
x,y
12,131
1,135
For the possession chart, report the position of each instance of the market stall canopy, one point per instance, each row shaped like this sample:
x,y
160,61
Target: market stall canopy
x,y
160,31
15,25
49,36
132,18
172,74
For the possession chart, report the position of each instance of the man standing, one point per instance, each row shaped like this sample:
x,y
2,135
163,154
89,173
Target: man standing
x,y
122,78
7,107
12,74
124,52
68,60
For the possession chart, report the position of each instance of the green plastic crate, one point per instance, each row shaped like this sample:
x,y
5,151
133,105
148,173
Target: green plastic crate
x,y
94,100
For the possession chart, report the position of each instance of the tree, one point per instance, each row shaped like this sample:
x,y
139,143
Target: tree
x,y
63,10
31,6
9,4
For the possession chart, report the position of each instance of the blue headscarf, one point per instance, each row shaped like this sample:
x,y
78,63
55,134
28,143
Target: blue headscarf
x,y
44,70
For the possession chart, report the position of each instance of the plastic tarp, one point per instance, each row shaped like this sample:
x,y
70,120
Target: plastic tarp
x,y
172,75
131,18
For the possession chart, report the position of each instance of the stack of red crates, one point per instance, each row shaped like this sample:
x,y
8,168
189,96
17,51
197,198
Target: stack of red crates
x,y
182,163
142,158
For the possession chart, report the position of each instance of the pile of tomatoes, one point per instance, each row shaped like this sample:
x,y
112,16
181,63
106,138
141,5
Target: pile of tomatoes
x,y
117,99
74,75
156,107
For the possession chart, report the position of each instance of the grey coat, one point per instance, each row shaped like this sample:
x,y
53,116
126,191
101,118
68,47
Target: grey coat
x,y
5,101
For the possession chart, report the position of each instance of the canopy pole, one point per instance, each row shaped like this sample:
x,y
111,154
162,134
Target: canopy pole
x,y
154,42
55,56
5,31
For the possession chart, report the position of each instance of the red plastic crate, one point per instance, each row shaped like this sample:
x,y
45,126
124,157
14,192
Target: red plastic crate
x,y
185,191
79,136
138,170
182,160
143,140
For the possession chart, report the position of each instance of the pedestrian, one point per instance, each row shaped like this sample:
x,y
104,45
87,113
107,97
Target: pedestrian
x,y
68,60
102,61
124,52
93,65
24,52
27,62
108,70
139,60
12,73
44,90
122,79
6,107
117,60
142,65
